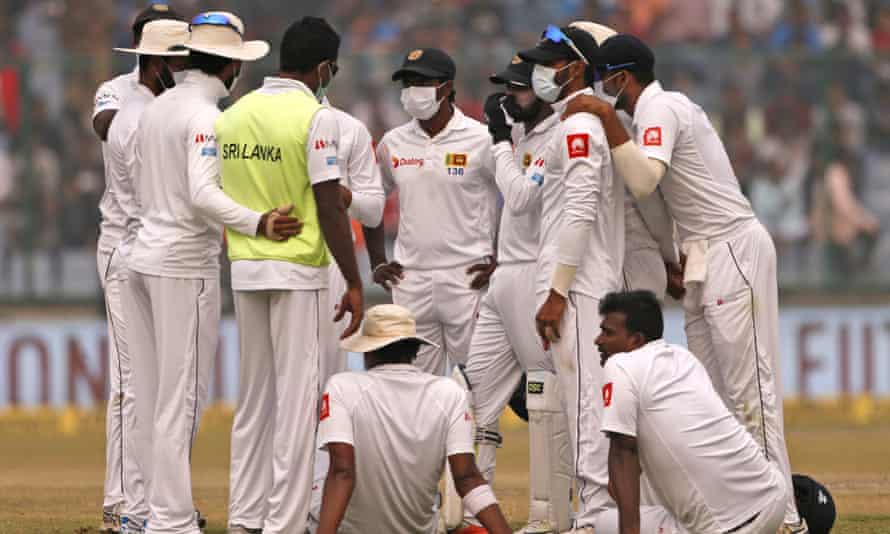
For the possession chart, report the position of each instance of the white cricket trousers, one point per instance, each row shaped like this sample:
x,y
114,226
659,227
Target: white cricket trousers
x,y
173,333
123,482
444,308
580,375
644,269
504,345
732,326
273,435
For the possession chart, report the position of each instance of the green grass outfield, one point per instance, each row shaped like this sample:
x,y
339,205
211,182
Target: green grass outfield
x,y
51,466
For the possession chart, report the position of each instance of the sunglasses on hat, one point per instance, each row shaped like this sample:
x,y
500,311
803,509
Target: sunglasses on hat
x,y
214,19
555,35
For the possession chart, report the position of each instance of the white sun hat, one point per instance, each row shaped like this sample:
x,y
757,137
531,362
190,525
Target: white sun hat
x,y
220,33
597,31
164,37
383,325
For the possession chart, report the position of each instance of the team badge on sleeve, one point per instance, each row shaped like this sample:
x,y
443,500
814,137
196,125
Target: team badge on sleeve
x,y
607,395
325,407
579,145
652,136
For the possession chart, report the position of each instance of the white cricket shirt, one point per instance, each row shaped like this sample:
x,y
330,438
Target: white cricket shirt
x,y
178,186
447,192
109,96
403,424
581,191
705,467
121,171
700,186
520,172
259,275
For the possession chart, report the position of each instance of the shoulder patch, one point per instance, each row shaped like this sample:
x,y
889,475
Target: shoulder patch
x,y
652,136
325,407
578,145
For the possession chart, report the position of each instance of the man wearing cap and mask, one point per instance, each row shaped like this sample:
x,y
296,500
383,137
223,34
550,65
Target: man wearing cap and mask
x,y
280,288
581,249
161,58
390,431
173,264
442,165
728,277
112,276
504,344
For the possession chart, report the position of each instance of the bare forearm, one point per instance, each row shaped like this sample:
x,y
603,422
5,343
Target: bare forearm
x,y
492,518
624,477
337,492
375,240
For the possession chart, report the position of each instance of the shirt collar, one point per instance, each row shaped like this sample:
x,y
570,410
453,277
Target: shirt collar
x,y
648,94
211,86
457,122
276,84
560,105
410,367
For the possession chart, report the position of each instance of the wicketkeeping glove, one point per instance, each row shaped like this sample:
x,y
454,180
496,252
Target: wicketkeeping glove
x,y
497,118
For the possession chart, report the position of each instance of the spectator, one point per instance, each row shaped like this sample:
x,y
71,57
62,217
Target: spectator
x,y
797,31
842,31
881,33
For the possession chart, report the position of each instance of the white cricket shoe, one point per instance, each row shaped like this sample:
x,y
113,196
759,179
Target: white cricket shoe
x,y
537,527
795,528
111,519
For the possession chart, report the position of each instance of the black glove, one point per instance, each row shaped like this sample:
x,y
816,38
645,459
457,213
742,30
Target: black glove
x,y
497,118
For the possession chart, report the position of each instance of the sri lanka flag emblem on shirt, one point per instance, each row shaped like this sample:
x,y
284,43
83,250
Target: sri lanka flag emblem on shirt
x,y
526,160
455,160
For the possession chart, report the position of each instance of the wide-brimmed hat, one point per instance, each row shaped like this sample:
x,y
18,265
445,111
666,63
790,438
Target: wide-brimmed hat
x,y
220,33
383,325
162,38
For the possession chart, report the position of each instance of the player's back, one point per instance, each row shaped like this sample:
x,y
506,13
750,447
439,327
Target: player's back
x,y
401,419
700,186
704,466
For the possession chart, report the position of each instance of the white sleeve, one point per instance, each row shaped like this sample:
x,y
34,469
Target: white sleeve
x,y
460,427
658,221
204,180
321,147
124,151
620,401
335,417
520,191
386,177
364,180
106,98
586,156
658,128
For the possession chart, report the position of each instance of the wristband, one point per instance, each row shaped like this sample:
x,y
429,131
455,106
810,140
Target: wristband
x,y
479,498
379,265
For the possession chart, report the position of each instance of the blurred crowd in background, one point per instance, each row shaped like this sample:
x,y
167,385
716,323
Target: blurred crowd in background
x,y
799,89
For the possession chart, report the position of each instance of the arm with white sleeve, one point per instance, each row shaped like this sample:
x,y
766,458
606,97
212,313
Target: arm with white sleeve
x,y
204,181
520,192
365,182
585,157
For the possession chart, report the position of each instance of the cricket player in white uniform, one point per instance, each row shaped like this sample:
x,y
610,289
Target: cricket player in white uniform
x,y
279,146
581,249
442,166
731,296
161,58
173,281
112,277
389,432
362,193
663,417
504,343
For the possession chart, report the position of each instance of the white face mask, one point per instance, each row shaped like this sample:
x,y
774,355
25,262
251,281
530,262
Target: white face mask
x,y
614,99
235,79
601,94
544,83
322,90
179,76
420,102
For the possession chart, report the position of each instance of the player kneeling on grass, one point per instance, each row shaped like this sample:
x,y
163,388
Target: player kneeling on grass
x,y
386,431
663,417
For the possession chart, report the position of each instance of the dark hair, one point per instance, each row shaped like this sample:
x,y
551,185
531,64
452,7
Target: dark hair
x,y
208,63
155,11
403,351
642,312
307,43
643,76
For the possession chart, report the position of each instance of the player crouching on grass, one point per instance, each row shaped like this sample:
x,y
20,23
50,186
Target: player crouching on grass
x,y
386,431
663,417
